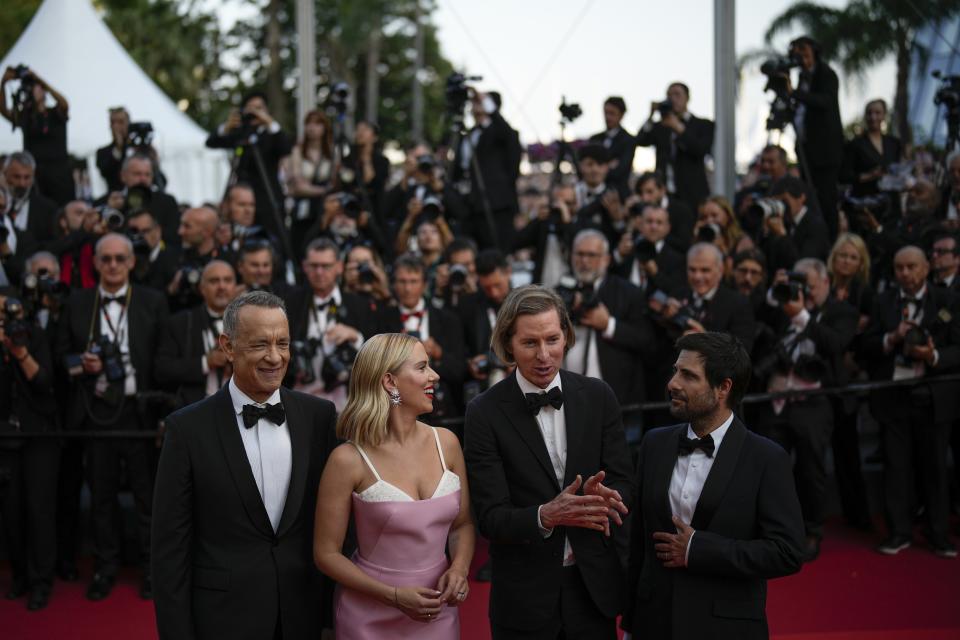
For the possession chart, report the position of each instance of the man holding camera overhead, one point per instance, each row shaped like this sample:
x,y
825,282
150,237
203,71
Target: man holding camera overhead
x,y
811,332
682,140
107,340
914,333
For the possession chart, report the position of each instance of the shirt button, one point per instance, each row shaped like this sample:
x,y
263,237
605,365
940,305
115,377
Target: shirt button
x,y
693,464
686,497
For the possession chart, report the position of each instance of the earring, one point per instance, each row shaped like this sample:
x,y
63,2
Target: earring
x,y
395,397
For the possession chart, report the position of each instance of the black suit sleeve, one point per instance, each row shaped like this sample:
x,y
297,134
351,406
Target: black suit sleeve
x,y
172,538
697,138
173,365
823,92
775,549
834,334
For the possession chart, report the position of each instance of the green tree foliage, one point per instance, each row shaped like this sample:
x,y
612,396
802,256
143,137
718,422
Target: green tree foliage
x,y
864,33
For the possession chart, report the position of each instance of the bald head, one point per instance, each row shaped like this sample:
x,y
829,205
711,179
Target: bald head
x,y
218,285
197,227
910,267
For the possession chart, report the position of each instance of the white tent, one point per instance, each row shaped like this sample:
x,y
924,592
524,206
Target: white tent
x,y
68,45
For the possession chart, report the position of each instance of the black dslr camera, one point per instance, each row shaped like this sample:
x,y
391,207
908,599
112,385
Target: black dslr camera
x,y
578,297
111,357
569,111
302,353
350,205
643,249
784,292
365,273
140,135
15,326
665,108
337,366
457,278
36,286
426,163
23,97
457,93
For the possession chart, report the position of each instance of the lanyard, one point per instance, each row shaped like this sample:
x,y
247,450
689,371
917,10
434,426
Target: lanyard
x,y
97,308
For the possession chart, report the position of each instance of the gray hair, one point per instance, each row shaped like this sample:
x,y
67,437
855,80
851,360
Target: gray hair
x,y
812,264
140,157
125,239
709,247
231,316
21,157
592,233
42,255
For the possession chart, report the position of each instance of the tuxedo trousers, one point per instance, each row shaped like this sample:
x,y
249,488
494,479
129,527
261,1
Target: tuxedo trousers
x,y
847,467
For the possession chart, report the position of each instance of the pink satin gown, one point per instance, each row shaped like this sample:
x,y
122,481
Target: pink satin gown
x,y
401,542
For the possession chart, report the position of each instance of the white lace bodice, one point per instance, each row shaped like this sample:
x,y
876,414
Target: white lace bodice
x,y
383,491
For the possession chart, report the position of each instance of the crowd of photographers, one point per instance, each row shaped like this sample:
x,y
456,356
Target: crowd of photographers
x,y
840,268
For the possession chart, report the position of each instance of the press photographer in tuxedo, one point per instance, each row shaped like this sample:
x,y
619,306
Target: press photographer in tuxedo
x,y
236,493
157,262
653,191
644,256
28,209
716,514
190,362
478,315
139,192
619,143
681,140
108,338
549,475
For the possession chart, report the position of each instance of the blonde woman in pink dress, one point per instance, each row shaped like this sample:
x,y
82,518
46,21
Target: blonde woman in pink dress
x,y
405,485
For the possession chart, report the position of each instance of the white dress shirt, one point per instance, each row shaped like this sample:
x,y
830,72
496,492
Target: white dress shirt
x,y
421,325
582,357
268,451
553,428
211,336
319,322
690,474
115,315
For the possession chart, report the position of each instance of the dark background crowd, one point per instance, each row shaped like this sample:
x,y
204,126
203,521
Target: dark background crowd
x,y
839,268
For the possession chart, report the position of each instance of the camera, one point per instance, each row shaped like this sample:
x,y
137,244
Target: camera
x,y
432,207
337,366
665,108
709,232
767,208
350,205
302,353
111,357
339,98
784,292
949,92
140,135
23,96
426,163
458,277
683,315
578,297
569,111
365,273
877,205
917,336
643,249
779,65
36,286
138,198
112,218
457,92
15,327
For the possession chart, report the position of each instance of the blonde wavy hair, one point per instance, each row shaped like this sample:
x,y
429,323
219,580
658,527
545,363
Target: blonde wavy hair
x,y
364,418
855,241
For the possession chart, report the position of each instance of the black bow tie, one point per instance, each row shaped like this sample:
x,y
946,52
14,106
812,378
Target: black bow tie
x,y
321,306
687,445
120,300
272,412
535,401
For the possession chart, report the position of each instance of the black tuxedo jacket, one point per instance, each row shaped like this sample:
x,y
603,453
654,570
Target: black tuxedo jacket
x,y
498,154
40,218
682,220
729,312
748,528
811,238
511,476
823,143
689,173
535,234
219,569
475,321
621,149
941,317
671,270
831,329
860,156
177,366
146,316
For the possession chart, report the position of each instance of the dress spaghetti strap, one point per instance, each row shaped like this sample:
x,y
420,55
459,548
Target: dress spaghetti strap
x,y
436,435
363,455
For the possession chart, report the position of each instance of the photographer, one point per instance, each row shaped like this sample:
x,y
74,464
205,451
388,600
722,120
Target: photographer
x,y
254,129
126,141
345,223
367,165
598,206
495,146
643,256
619,143
682,140
456,276
327,326
717,224
811,334
189,360
28,502
792,230
44,131
613,334
478,315
652,191
238,210
438,329
750,279
914,333
157,263
80,226
427,234
138,192
817,123
197,228
255,269
28,209
364,275
107,339
549,234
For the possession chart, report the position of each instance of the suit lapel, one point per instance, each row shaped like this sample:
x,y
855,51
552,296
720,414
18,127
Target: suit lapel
x,y
238,463
575,416
720,474
299,429
526,425
666,460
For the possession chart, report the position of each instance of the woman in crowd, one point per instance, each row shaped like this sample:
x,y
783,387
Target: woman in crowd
x,y
868,156
405,485
849,268
311,168
370,168
717,224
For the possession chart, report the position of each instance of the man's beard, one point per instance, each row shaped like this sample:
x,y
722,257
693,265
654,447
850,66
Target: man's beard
x,y
695,407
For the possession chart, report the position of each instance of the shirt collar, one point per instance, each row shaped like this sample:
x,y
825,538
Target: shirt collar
x,y
708,295
420,306
528,387
717,434
800,214
120,293
918,295
333,297
239,398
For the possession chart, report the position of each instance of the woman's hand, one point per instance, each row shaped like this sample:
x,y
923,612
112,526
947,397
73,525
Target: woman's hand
x,y
454,586
419,603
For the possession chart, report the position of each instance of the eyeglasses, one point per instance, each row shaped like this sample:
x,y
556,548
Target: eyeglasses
x,y
108,259
941,252
593,255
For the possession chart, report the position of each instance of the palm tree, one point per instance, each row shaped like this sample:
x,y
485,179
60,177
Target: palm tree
x,y
866,32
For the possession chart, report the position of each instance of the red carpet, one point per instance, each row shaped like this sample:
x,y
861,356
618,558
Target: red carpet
x,y
849,593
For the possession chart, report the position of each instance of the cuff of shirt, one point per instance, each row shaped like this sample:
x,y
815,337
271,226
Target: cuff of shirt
x,y
686,556
611,328
358,342
274,127
887,347
801,319
936,358
204,366
546,533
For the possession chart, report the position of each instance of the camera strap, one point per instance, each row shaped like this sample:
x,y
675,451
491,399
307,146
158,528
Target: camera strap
x,y
114,331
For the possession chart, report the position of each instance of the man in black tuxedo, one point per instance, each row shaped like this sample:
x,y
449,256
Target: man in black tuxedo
x,y
556,573
598,206
326,323
549,234
109,335
652,191
812,331
235,500
619,143
190,362
716,513
914,332
945,259
818,126
252,123
439,330
800,232
644,256
681,140
29,210
495,146
139,192
157,263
